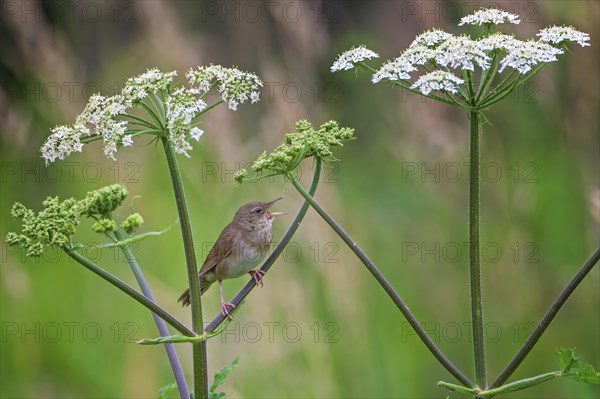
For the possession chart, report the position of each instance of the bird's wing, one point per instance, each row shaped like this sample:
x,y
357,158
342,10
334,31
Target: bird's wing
x,y
217,254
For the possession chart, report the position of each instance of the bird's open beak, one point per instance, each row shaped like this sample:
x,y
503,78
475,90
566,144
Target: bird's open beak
x,y
273,214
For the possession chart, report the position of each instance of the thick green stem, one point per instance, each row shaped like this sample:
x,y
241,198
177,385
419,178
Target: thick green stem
x,y
199,348
173,322
474,259
276,252
442,359
160,323
547,319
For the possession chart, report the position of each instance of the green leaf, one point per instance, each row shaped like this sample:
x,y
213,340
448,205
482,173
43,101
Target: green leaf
x,y
571,367
566,359
220,377
165,391
587,374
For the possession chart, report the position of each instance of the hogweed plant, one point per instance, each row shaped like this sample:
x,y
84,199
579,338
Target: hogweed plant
x,y
474,73
155,106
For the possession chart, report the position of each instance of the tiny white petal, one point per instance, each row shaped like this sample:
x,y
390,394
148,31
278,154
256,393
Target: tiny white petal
x,y
127,141
196,133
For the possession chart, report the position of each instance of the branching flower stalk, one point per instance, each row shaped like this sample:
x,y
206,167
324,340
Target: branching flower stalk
x,y
479,61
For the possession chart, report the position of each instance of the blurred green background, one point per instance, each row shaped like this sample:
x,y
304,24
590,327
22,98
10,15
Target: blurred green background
x,y
321,327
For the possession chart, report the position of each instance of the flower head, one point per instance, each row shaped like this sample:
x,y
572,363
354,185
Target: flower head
x,y
349,58
104,226
102,202
54,225
152,81
498,42
305,143
462,52
398,69
63,141
489,16
182,107
525,55
431,38
235,86
437,81
132,223
109,118
563,34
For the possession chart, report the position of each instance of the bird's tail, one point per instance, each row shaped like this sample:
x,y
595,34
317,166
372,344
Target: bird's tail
x,y
185,297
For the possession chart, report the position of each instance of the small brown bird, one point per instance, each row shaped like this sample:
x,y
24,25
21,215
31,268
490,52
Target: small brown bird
x,y
240,247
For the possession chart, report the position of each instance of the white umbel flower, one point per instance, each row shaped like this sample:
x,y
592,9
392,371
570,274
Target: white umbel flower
x,y
398,69
63,141
182,107
349,58
498,41
525,55
235,86
430,38
559,34
437,81
462,52
419,55
490,16
152,81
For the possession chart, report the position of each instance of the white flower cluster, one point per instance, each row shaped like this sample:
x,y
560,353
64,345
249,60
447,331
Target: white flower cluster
x,y
490,16
182,108
430,38
497,41
63,141
437,81
153,81
349,58
525,55
105,114
439,51
397,69
236,87
461,52
561,34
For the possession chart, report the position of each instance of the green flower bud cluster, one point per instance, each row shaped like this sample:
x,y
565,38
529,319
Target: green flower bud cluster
x,y
305,143
58,221
53,226
132,223
104,226
104,201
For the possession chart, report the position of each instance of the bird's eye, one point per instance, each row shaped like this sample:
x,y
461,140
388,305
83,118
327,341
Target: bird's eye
x,y
257,210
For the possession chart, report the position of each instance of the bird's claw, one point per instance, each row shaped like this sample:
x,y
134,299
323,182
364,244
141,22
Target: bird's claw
x,y
257,275
224,310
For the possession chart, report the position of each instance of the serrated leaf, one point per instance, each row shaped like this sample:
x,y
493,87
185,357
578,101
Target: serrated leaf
x,y
573,368
587,373
567,360
165,391
220,377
